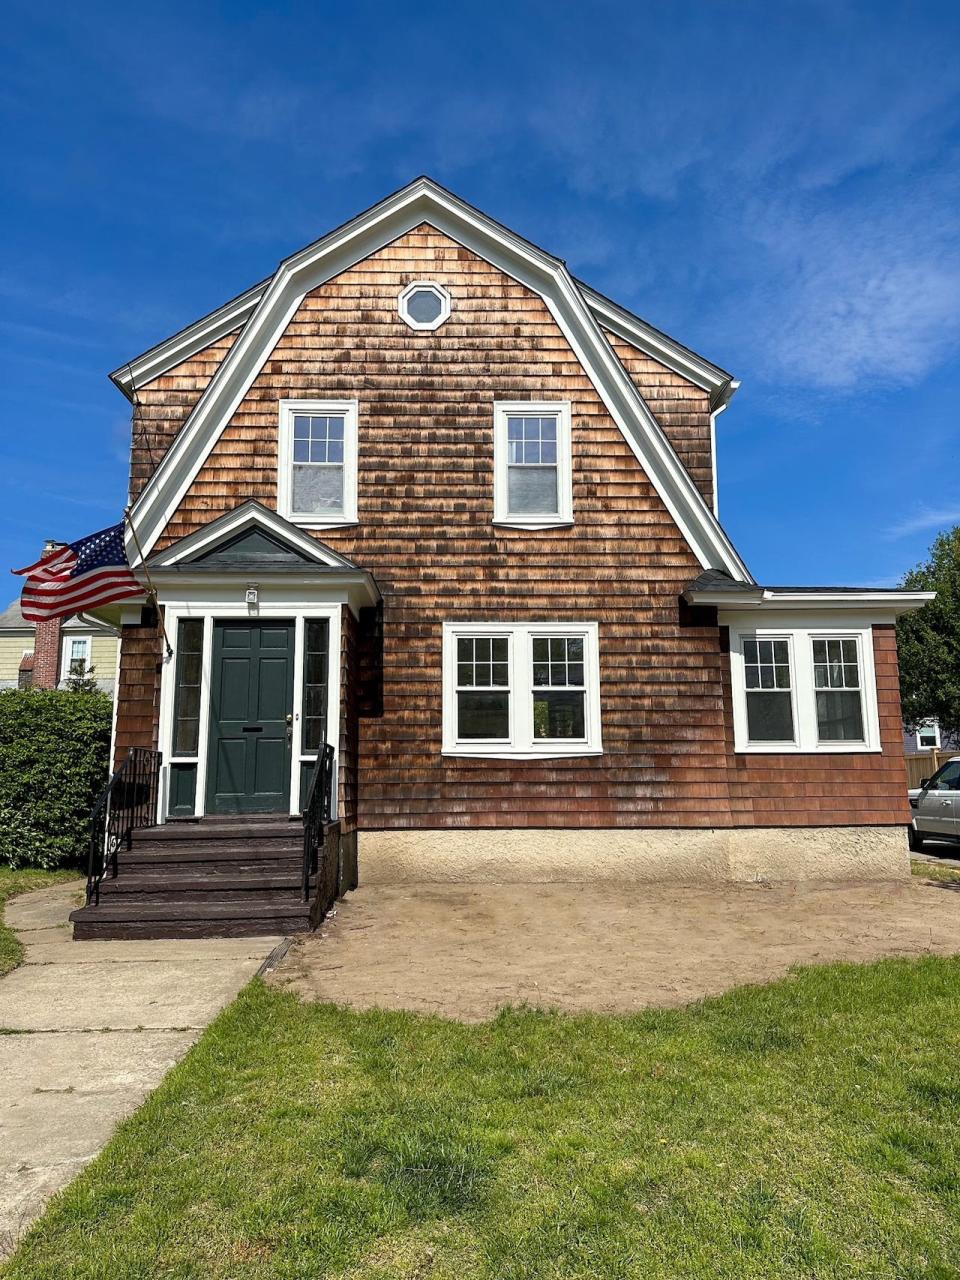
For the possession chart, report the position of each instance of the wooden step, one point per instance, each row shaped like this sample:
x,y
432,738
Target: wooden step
x,y
178,917
268,886
197,834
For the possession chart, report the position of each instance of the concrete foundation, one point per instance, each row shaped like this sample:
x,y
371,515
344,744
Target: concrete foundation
x,y
717,855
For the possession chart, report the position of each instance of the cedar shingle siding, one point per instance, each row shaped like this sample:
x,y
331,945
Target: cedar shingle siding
x,y
426,533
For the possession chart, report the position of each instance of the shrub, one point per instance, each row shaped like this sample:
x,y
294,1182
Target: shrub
x,y
54,759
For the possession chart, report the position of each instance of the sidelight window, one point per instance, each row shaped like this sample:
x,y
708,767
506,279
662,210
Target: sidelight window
x,y
186,707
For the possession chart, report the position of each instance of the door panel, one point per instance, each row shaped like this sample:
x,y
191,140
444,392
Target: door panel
x,y
938,807
250,699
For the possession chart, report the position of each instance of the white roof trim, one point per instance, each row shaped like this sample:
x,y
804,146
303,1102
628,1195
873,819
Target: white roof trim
x,y
772,599
181,346
709,377
249,515
424,201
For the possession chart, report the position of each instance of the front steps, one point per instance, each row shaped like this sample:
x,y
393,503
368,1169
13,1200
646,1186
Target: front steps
x,y
214,878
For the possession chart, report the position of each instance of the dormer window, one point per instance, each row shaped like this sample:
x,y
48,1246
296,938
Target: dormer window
x,y
532,464
317,471
424,305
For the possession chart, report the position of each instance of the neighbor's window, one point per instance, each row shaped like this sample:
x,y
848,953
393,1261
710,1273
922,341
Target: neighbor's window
x,y
78,657
521,689
317,474
928,735
186,703
766,673
316,678
803,689
532,463
836,678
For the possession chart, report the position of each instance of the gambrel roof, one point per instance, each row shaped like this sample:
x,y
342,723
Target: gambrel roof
x,y
266,310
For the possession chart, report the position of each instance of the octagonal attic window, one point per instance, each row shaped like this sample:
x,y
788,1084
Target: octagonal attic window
x,y
424,305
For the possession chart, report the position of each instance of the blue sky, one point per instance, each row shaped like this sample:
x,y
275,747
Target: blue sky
x,y
775,185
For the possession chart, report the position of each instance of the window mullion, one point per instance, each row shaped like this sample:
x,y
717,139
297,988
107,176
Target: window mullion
x,y
521,679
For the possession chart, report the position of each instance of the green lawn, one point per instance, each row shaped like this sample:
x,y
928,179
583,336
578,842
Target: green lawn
x,y
12,883
933,871
806,1129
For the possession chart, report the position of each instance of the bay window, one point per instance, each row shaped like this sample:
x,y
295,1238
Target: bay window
x,y
521,689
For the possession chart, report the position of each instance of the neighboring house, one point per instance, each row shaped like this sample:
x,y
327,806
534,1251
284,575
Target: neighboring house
x,y
927,736
425,496
44,655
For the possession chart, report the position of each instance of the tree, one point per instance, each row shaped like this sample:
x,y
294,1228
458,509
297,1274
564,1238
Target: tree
x,y
928,641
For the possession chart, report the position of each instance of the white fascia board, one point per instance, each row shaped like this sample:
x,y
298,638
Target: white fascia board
x,y
180,588
181,346
248,516
879,606
421,202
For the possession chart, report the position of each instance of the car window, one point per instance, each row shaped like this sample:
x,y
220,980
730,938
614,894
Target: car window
x,y
947,778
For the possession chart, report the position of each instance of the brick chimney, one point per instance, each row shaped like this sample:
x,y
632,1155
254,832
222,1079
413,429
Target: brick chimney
x,y
46,641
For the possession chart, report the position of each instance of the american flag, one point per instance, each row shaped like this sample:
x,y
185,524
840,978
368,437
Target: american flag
x,y
79,576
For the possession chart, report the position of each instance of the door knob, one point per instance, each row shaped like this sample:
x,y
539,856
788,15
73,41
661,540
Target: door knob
x,y
290,718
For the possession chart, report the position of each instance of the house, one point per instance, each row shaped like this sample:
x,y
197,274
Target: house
x,y
44,655
423,495
928,737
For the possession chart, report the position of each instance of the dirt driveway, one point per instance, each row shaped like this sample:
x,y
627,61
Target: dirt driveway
x,y
464,951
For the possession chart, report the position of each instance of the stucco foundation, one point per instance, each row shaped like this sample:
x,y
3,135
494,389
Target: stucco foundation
x,y
635,856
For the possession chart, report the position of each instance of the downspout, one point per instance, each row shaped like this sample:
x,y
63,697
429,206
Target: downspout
x,y
726,394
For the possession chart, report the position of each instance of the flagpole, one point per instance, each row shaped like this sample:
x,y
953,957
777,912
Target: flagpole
x,y
151,589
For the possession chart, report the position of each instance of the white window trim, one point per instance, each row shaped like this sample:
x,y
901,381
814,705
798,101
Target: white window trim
x,y
502,409
68,643
801,633
424,325
311,520
933,724
521,744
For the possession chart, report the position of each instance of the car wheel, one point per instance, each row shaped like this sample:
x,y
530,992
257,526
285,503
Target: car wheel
x,y
914,840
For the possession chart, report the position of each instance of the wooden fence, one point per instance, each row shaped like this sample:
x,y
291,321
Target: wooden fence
x,y
925,764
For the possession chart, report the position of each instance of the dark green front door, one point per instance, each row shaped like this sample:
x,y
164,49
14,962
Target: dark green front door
x,y
248,770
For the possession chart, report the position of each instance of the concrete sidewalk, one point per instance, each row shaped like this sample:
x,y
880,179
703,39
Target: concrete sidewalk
x,y
95,1027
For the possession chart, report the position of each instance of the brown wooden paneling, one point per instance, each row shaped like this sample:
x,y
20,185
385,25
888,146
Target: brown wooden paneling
x,y
138,690
163,406
425,531
681,408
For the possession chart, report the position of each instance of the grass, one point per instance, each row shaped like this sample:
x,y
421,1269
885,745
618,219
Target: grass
x,y
12,883
933,871
810,1128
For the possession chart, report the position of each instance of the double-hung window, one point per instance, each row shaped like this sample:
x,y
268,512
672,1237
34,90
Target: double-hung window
x,y
521,689
76,656
803,688
532,464
317,462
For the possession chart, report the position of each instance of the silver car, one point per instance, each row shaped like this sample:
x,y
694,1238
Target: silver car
x,y
936,806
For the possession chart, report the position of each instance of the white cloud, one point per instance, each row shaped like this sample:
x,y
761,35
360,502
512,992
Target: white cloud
x,y
924,519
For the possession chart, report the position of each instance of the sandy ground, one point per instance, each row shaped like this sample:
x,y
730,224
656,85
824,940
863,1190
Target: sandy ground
x,y
88,1029
464,951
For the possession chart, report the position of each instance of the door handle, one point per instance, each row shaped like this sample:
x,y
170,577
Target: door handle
x,y
945,804
253,728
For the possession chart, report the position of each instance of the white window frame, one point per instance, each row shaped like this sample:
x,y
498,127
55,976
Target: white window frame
x,y
933,724
521,744
801,633
350,411
65,656
424,325
503,409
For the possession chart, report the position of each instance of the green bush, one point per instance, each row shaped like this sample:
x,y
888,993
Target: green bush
x,y
54,759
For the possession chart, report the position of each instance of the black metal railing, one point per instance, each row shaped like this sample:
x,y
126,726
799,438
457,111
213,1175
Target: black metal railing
x,y
128,801
317,814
